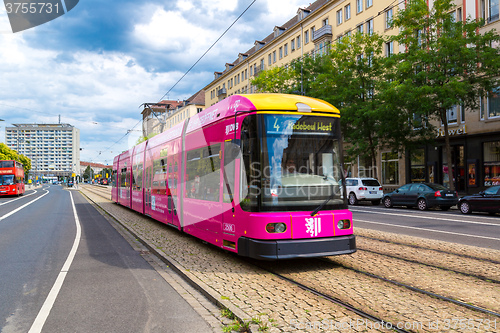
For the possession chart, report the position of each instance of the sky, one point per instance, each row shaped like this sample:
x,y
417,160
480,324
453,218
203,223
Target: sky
x,y
94,66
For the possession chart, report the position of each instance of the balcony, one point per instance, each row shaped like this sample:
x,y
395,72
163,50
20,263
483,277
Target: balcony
x,y
323,32
221,92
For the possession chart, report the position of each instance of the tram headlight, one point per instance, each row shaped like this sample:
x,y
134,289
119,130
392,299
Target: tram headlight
x,y
276,228
344,224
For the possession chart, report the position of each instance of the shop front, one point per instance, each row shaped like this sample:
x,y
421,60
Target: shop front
x,y
475,161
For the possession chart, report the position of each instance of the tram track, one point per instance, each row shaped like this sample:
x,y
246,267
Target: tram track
x,y
418,247
313,275
425,292
442,267
332,299
362,295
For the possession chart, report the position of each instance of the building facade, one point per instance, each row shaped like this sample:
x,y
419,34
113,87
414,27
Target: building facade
x,y
159,117
475,134
54,149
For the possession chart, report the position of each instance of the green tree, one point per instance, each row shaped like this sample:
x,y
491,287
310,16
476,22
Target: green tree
x,y
444,64
9,154
275,80
350,75
88,173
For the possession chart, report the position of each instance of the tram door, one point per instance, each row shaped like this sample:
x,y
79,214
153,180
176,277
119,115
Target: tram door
x,y
148,174
230,196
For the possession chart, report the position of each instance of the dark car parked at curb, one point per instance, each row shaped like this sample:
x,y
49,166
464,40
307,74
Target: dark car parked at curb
x,y
422,196
485,201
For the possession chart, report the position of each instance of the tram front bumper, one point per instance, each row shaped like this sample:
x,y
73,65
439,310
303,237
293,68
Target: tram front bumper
x,y
296,248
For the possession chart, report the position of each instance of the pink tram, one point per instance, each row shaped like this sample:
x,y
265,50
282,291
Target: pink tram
x,y
11,178
259,175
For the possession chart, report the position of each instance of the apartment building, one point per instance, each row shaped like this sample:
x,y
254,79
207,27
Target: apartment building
x,y
159,117
475,134
54,149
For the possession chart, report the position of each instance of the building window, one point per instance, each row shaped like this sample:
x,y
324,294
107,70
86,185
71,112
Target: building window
x,y
390,167
306,37
389,49
388,18
325,22
365,167
359,6
369,3
269,59
452,114
491,158
493,10
274,57
347,12
493,103
286,49
339,17
369,27
359,29
292,45
298,42
281,52
417,166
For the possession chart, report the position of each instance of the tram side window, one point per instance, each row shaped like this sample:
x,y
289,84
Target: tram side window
x,y
160,167
203,173
137,177
113,178
123,178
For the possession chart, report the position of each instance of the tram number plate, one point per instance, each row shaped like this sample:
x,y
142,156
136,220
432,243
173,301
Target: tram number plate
x,y
228,227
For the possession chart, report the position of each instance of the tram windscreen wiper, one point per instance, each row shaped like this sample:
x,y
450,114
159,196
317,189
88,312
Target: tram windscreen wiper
x,y
320,207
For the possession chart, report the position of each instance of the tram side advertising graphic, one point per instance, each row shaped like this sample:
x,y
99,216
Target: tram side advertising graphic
x,y
26,14
11,178
260,175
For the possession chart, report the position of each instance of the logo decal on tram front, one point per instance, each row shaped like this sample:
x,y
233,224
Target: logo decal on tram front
x,y
313,225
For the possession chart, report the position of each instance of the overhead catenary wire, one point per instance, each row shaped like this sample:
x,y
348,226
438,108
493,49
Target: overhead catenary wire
x,y
208,50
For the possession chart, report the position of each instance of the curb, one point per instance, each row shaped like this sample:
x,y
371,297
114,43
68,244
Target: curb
x,y
212,295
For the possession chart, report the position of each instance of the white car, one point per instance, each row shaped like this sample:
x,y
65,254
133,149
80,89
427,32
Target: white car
x,y
366,189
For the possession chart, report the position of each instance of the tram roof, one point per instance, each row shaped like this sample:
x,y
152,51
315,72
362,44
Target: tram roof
x,y
259,102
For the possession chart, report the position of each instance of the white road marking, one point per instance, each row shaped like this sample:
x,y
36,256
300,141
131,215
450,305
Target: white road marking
x,y
18,209
428,217
425,229
51,298
21,197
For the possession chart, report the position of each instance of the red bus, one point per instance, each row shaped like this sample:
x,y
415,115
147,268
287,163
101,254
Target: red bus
x,y
11,178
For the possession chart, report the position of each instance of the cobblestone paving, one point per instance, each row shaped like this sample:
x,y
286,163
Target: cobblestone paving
x,y
282,307
466,250
480,293
382,299
431,257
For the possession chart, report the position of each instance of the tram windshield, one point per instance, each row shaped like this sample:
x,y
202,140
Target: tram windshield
x,y
295,164
6,179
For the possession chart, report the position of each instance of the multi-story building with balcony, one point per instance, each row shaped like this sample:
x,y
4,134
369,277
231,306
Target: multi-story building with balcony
x,y
475,134
54,149
159,117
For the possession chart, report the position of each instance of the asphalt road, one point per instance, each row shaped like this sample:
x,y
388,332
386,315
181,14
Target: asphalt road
x,y
103,285
477,229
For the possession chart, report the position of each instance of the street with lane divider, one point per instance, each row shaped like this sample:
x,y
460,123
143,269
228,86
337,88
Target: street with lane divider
x,y
66,268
